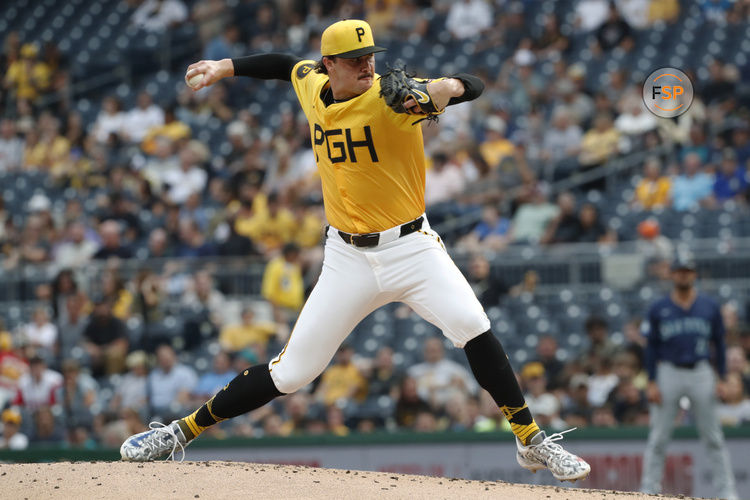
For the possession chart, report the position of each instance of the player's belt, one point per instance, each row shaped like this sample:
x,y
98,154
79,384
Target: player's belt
x,y
686,365
372,239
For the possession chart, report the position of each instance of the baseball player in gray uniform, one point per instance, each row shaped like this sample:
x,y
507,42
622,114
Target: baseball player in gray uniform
x,y
685,331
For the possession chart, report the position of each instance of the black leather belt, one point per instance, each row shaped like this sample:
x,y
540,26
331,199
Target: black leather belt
x,y
372,239
689,366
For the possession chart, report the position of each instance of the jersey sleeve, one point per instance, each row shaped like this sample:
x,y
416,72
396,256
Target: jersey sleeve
x,y
307,83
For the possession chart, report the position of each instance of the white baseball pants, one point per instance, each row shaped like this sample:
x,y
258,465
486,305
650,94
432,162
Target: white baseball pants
x,y
414,269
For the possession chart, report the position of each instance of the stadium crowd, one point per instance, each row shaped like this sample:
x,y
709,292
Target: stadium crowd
x,y
147,188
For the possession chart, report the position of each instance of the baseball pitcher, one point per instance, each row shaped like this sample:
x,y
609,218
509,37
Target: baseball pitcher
x,y
379,245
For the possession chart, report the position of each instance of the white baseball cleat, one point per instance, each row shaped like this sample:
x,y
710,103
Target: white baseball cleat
x,y
160,440
544,453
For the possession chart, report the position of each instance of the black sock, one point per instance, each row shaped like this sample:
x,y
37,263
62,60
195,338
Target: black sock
x,y
249,390
493,372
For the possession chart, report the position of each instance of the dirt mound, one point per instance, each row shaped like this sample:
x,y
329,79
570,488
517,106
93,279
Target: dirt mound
x,y
216,480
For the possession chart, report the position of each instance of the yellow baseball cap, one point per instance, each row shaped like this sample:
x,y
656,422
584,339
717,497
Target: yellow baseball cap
x,y
348,39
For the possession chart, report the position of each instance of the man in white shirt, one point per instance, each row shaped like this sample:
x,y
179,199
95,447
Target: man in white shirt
x,y
469,18
41,333
443,181
439,378
186,179
11,146
141,118
77,251
37,387
170,383
158,15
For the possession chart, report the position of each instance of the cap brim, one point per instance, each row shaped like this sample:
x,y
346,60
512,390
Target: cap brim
x,y
352,54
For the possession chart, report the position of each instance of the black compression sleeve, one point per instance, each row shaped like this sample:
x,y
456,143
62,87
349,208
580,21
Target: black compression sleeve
x,y
473,88
266,66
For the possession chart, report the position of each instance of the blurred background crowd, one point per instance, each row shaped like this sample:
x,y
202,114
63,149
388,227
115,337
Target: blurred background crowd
x,y
154,241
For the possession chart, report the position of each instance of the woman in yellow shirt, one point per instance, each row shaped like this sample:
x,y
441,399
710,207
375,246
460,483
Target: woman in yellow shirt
x,y
653,190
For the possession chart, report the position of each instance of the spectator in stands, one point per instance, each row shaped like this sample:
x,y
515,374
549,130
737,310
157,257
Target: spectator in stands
x,y
105,339
531,219
409,404
12,367
487,286
27,77
203,295
142,118
159,15
716,11
653,190
730,180
342,381
592,229
437,378
224,45
170,383
158,244
551,44
495,147
110,232
634,120
282,284
600,345
77,395
591,14
693,187
109,121
577,408
41,333
172,130
741,142
546,355
469,18
297,412
492,232
601,382
566,226
211,382
47,430
627,398
562,140
543,404
131,391
116,293
76,250
51,151
192,241
444,181
11,147
273,227
37,387
739,364
734,407
12,438
384,378
600,143
249,333
614,32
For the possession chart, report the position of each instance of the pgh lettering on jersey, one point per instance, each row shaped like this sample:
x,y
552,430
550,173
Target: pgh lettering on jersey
x,y
370,159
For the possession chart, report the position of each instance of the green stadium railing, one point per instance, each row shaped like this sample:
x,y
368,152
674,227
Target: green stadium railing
x,y
54,454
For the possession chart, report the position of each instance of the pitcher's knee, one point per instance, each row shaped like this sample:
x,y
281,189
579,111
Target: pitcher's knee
x,y
467,326
288,381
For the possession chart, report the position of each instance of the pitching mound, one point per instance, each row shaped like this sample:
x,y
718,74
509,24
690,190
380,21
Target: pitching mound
x,y
215,480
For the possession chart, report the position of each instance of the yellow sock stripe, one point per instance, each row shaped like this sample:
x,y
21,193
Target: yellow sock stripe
x,y
509,411
194,428
209,403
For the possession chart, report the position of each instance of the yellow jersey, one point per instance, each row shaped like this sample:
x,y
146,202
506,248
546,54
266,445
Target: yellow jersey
x,y
283,285
370,158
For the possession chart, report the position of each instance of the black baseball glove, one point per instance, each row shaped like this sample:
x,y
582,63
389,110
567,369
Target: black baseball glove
x,y
396,87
